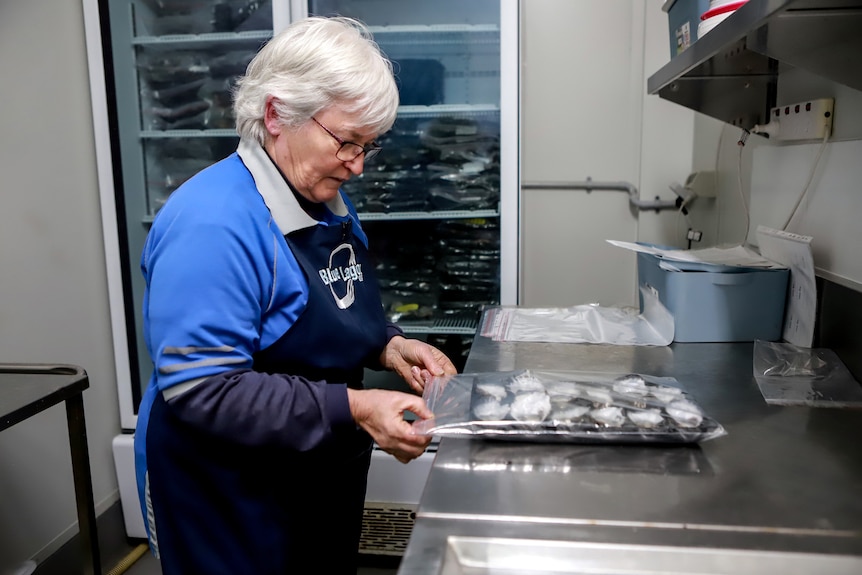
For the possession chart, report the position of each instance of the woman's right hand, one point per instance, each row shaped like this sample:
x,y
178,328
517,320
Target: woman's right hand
x,y
380,412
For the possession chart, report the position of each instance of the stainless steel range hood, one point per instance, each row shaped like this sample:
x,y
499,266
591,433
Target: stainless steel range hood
x,y
732,73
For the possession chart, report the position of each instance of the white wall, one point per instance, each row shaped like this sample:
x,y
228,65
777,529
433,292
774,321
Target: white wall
x,y
53,295
830,211
586,114
773,175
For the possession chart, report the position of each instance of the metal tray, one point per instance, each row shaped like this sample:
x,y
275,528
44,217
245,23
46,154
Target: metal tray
x,y
570,407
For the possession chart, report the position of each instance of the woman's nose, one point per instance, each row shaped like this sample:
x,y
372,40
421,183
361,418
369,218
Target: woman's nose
x,y
356,165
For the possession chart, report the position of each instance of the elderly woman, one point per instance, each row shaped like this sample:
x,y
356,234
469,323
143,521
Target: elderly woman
x,y
261,312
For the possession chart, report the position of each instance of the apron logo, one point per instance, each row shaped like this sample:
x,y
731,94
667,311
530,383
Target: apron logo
x,y
332,274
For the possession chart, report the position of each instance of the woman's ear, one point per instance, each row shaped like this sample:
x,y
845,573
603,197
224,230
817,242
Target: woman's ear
x,y
270,117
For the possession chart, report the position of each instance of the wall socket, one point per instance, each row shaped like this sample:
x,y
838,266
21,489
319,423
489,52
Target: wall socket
x,y
811,120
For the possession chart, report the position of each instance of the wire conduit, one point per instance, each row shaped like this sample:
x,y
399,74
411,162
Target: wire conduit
x,y
126,562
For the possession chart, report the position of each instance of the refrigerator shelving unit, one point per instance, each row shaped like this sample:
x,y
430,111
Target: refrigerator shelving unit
x,y
461,55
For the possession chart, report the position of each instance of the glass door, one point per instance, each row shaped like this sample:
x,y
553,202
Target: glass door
x,y
431,201
437,204
170,68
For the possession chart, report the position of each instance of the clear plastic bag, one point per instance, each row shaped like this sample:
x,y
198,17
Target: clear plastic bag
x,y
788,374
588,323
776,359
572,407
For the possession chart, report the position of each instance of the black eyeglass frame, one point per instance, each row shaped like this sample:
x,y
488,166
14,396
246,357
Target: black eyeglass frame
x,y
370,150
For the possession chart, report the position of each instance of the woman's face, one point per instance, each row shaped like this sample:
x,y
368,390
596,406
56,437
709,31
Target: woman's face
x,y
307,155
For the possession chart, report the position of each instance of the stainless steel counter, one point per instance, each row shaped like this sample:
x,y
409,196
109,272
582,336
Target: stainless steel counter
x,y
783,478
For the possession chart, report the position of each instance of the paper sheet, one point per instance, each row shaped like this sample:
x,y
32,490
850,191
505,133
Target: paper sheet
x,y
794,251
733,256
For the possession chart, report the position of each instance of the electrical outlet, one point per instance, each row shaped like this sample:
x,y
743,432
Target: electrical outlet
x,y
811,120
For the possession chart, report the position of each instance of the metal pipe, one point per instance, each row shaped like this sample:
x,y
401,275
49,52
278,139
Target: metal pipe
x,y
589,186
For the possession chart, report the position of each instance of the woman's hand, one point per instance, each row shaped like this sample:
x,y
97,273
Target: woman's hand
x,y
380,412
415,361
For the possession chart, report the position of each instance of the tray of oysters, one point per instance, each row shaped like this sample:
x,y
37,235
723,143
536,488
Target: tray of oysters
x,y
576,407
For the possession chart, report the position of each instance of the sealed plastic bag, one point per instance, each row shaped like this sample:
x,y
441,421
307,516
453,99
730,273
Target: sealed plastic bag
x,y
788,374
574,407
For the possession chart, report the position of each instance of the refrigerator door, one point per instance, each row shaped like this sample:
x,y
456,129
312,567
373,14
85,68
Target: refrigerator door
x,y
440,204
170,69
432,202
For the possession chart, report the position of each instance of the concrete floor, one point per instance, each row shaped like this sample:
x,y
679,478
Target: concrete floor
x,y
116,549
147,565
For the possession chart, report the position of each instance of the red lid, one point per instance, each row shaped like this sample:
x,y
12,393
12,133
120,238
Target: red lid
x,y
729,7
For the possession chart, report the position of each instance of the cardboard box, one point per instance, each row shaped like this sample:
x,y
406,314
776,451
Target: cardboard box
x,y
683,17
718,306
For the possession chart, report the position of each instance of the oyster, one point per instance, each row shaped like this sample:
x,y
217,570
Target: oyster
x,y
562,389
525,382
645,418
666,394
489,409
611,416
568,411
685,413
631,384
598,395
533,406
494,390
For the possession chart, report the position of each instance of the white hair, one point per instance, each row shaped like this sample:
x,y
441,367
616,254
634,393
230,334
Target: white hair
x,y
313,64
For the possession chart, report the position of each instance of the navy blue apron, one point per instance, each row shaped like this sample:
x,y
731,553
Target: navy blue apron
x,y
342,329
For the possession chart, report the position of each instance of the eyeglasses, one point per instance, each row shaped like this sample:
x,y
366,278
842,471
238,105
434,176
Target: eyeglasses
x,y
349,151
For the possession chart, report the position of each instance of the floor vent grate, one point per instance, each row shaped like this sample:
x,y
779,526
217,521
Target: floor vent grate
x,y
386,527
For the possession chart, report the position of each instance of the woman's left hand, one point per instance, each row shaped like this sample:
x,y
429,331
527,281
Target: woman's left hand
x,y
416,361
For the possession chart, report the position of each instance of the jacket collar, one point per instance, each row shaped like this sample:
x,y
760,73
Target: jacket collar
x,y
277,193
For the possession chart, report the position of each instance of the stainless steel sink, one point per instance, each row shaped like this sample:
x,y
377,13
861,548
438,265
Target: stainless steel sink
x,y
489,556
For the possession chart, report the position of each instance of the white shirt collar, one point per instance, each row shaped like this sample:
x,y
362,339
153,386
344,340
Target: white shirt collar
x,y
277,195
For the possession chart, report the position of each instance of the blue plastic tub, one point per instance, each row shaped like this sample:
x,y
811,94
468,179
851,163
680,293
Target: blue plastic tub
x,y
719,306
